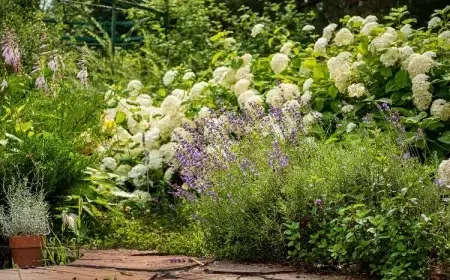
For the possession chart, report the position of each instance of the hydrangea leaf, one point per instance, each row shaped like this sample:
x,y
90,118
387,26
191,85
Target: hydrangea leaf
x,y
445,138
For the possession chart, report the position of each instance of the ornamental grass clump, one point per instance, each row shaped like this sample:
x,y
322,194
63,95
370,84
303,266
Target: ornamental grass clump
x,y
25,212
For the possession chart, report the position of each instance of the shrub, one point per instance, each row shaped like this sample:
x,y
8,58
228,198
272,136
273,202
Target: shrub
x,y
364,203
60,163
26,211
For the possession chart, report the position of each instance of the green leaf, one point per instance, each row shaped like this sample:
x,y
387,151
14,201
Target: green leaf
x,y
332,91
392,86
402,79
120,117
445,138
386,72
310,62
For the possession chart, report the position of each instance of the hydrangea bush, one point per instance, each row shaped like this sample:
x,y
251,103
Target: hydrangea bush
x,y
358,75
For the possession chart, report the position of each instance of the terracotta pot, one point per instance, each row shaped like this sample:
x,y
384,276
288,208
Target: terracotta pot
x,y
26,251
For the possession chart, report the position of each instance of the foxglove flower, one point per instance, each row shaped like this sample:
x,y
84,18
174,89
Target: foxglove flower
x,y
10,50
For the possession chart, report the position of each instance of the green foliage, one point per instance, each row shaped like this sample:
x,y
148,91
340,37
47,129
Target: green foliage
x,y
362,205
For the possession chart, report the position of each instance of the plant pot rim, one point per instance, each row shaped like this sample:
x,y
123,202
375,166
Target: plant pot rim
x,y
26,241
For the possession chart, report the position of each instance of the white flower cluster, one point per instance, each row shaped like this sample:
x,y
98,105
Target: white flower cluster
x,y
277,96
443,173
421,95
139,130
356,90
420,64
384,40
279,63
344,37
308,28
328,31
169,77
340,68
257,29
440,109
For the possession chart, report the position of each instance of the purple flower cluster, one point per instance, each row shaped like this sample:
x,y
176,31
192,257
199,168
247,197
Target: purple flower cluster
x,y
277,160
10,50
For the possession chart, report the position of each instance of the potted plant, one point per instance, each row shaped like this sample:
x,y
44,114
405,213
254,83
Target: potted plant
x,y
24,220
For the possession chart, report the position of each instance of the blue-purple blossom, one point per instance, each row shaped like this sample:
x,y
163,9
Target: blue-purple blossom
x,y
277,160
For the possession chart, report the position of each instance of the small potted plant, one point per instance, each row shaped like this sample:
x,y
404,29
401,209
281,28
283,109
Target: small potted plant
x,y
24,220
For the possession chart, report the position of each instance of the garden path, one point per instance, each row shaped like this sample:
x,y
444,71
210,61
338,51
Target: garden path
x,y
138,265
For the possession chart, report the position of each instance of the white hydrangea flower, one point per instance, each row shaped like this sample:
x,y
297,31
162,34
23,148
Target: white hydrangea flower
x,y
321,45
287,47
134,85
340,68
305,99
169,77
351,127
329,30
420,64
197,89
440,109
279,63
256,30
434,22
244,72
421,96
370,19
144,100
243,97
405,52
275,98
188,76
367,28
430,54
180,94
241,86
390,57
168,152
289,91
122,135
150,139
229,42
254,104
204,113
443,173
311,118
307,84
344,37
383,41
353,20
246,59
154,160
137,174
346,109
109,163
219,73
308,28
407,30
356,90
170,104
445,36
169,174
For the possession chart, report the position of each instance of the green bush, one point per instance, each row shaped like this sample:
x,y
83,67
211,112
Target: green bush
x,y
60,163
361,205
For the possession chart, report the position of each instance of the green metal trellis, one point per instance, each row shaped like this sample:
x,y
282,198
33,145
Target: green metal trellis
x,y
114,23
